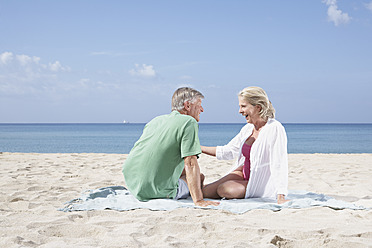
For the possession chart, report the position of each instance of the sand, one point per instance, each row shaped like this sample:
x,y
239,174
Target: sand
x,y
34,186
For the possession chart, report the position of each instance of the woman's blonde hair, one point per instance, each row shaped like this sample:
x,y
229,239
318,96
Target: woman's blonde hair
x,y
257,96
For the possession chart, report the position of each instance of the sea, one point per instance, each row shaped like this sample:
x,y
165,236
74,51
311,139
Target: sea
x,y
119,138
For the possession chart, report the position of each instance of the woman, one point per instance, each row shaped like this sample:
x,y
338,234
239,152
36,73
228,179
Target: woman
x,y
261,169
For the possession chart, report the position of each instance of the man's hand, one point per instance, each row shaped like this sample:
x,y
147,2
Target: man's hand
x,y
203,203
194,183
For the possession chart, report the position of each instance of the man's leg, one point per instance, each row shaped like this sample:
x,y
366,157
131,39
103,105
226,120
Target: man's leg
x,y
183,191
202,177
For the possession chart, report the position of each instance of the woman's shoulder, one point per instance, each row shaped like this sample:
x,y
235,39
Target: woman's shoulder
x,y
274,124
246,128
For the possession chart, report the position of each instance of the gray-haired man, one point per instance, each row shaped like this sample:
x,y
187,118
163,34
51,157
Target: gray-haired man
x,y
163,162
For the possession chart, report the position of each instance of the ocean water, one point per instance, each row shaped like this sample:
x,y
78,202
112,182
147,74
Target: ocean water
x,y
120,138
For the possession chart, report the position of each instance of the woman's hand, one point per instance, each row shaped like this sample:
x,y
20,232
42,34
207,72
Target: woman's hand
x,y
281,199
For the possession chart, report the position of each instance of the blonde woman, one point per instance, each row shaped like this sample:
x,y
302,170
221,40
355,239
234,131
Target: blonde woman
x,y
261,169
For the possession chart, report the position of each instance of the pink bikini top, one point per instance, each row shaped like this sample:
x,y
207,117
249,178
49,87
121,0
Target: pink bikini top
x,y
246,151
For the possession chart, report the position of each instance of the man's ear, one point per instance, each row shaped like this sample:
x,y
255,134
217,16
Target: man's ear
x,y
186,105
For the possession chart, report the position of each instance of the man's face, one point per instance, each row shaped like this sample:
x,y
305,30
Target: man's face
x,y
195,109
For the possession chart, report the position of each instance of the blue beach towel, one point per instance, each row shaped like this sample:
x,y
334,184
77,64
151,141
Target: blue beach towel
x,y
118,198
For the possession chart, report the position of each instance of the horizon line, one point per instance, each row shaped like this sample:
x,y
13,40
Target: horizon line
x,y
10,123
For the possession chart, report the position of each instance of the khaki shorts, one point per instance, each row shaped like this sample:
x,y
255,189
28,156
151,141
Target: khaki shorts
x,y
183,191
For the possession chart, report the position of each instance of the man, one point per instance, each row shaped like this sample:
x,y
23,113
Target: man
x,y
163,162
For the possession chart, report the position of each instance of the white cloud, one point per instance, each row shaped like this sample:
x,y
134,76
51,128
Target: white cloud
x,y
335,15
25,60
6,57
31,63
369,6
56,66
27,76
84,81
21,74
186,77
143,71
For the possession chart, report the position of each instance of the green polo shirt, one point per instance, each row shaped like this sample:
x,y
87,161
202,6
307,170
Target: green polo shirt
x,y
155,163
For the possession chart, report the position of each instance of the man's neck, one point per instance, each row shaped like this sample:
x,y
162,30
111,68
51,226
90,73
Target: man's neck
x,y
182,112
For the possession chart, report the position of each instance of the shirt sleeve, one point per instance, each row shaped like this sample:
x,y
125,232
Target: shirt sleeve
x,y
279,160
232,149
190,144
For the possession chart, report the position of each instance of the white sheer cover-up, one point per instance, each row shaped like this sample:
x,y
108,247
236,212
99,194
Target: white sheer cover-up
x,y
268,157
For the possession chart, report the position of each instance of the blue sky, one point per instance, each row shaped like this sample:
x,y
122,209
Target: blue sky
x,y
109,61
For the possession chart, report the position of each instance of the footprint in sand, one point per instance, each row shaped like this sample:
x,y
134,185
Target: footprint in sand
x,y
75,231
25,243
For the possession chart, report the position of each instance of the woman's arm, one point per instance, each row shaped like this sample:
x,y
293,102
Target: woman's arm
x,y
279,162
209,150
232,149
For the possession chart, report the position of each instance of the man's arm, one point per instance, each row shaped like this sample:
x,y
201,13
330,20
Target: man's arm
x,y
193,182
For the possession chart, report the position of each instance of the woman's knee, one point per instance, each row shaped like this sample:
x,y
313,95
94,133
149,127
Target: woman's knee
x,y
231,190
202,177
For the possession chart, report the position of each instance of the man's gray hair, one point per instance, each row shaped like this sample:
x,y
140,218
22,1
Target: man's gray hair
x,y
184,94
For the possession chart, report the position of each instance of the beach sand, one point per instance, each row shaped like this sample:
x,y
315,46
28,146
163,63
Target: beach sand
x,y
34,186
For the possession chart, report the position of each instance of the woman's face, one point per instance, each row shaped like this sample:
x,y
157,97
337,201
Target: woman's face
x,y
250,112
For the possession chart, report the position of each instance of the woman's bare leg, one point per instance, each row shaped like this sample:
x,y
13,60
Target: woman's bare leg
x,y
233,189
210,190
